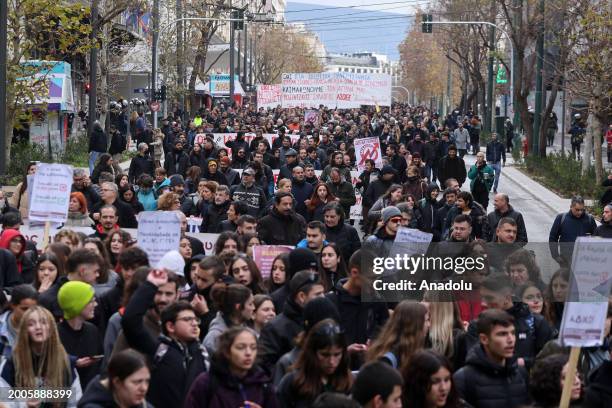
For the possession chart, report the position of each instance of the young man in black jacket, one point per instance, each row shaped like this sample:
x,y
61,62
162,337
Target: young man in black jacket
x,y
492,378
177,356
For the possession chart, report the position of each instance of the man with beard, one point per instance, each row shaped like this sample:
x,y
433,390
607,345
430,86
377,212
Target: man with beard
x,y
216,212
177,355
382,240
286,171
447,202
282,226
452,166
249,193
177,160
109,192
396,161
341,189
231,176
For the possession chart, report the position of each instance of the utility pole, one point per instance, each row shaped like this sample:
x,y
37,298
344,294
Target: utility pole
x,y
179,56
154,57
490,105
517,20
239,46
245,61
231,50
3,104
93,70
537,117
251,62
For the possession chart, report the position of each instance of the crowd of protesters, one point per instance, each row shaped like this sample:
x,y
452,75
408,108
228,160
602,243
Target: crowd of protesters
x,y
208,328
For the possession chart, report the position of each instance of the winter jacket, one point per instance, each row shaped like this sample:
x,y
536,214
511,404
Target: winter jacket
x,y
118,143
289,397
345,236
360,320
8,335
484,174
176,163
98,141
452,168
99,169
25,265
496,152
428,208
217,326
566,228
78,219
599,393
277,337
175,365
127,219
461,138
345,192
494,217
380,242
439,222
215,214
97,395
253,196
485,384
375,212
279,229
604,230
90,194
220,389
480,225
375,190
148,200
415,187
301,191
138,166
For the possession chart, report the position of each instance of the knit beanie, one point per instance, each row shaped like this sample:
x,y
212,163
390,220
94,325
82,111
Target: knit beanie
x,y
390,212
73,296
301,259
174,262
318,309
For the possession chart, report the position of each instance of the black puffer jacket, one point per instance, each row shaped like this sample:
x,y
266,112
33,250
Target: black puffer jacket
x,y
277,336
98,141
495,216
485,384
345,236
278,229
599,392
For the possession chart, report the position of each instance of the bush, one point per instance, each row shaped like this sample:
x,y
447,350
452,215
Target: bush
x,y
564,175
21,155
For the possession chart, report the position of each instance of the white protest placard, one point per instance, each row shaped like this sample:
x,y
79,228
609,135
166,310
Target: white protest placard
x,y
208,240
268,96
585,311
356,211
193,224
51,192
367,148
412,241
311,116
158,232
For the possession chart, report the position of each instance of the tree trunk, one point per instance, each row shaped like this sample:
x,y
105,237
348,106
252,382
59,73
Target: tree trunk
x,y
588,145
597,137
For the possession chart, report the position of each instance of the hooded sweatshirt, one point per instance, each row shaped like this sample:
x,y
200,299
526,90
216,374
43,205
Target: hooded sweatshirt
x,y
25,265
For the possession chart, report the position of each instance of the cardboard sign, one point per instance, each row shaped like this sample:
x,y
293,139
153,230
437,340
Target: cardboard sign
x,y
158,233
51,193
264,255
585,311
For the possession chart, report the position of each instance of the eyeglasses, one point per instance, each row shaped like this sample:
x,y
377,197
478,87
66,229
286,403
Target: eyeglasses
x,y
396,220
189,319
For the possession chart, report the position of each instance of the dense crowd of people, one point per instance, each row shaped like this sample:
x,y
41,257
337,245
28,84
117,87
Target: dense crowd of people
x,y
211,328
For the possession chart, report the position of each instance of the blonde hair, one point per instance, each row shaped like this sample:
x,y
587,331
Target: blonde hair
x,y
443,317
53,367
166,201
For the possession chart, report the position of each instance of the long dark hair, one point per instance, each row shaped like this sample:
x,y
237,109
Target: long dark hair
x,y
24,181
124,364
315,201
51,257
256,284
341,271
417,377
226,296
270,285
307,377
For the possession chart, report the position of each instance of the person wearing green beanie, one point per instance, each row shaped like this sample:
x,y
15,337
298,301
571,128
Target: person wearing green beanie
x,y
79,337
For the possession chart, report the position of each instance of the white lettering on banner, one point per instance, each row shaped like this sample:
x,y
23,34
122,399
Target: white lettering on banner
x,y
268,96
51,192
335,89
585,311
368,148
158,233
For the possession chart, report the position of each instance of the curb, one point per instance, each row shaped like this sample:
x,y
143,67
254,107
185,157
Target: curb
x,y
536,197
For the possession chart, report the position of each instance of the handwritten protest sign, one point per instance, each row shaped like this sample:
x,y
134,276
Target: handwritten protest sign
x,y
585,311
51,193
268,96
264,255
158,232
368,148
412,241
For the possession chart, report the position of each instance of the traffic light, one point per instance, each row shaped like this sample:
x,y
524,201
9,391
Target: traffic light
x,y
87,87
426,27
162,93
238,15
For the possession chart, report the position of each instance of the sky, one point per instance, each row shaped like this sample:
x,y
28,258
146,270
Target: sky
x,y
379,27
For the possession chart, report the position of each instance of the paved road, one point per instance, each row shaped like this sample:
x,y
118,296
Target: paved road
x,y
538,218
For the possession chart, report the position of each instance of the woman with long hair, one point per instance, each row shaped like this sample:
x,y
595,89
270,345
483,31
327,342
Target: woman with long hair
x,y
531,294
78,215
401,336
39,358
248,242
555,297
108,277
115,242
235,307
48,270
333,268
392,196
192,179
278,273
105,164
168,202
322,365
228,241
428,382
20,199
320,197
521,266
126,385
446,324
128,195
547,379
234,380
244,270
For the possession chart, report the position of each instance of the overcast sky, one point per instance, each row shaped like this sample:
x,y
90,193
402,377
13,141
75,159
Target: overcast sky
x,y
392,6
